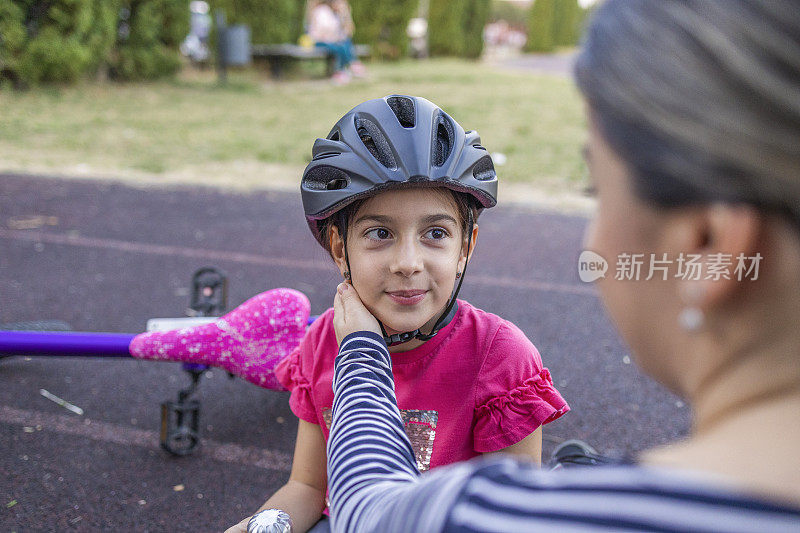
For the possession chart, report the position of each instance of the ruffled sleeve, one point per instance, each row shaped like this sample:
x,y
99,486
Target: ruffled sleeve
x,y
516,395
290,374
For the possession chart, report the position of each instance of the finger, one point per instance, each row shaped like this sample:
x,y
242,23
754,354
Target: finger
x,y
338,316
338,306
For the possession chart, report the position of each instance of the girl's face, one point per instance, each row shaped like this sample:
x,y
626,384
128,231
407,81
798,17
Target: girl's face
x,y
405,248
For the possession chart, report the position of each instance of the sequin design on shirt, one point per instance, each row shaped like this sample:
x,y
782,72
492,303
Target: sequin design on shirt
x,y
420,426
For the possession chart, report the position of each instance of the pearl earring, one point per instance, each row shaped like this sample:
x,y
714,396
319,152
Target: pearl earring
x,y
691,319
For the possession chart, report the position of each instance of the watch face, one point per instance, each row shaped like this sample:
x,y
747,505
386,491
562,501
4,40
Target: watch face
x,y
270,521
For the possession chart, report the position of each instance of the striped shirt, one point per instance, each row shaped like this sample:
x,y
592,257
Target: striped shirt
x,y
375,486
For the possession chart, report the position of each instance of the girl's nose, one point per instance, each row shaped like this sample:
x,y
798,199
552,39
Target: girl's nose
x,y
407,259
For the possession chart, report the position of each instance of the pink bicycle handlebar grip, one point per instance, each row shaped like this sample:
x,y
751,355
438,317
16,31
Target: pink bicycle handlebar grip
x,y
248,342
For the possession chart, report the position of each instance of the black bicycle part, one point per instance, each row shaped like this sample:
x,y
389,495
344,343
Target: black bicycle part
x,y
575,452
180,420
209,292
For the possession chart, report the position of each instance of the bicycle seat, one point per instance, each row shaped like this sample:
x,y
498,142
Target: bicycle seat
x,y
248,342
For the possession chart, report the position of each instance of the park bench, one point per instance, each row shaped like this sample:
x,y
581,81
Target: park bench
x,y
278,56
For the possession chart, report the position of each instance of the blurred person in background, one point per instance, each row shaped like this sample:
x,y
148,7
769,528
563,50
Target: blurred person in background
x,y
330,26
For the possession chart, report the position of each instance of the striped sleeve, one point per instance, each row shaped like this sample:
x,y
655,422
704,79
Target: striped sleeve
x,y
374,484
372,474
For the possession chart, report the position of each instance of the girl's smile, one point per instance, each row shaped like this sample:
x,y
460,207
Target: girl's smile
x,y
405,248
407,297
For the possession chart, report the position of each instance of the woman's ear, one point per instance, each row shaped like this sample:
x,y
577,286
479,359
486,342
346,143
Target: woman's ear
x,y
337,249
464,257
723,235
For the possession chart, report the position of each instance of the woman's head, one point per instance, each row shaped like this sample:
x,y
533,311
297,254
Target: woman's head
x,y
700,98
694,113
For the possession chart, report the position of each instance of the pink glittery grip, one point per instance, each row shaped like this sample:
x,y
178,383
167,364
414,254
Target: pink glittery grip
x,y
249,341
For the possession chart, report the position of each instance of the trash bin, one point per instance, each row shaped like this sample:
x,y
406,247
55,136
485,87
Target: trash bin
x,y
237,45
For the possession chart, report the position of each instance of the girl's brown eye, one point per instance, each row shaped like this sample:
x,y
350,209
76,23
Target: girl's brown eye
x,y
436,234
378,234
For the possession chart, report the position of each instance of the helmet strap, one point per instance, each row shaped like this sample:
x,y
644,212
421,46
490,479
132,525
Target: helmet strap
x,y
342,225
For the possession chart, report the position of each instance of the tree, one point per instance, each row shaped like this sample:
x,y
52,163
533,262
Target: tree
x,y
148,35
567,19
476,13
382,25
540,26
455,27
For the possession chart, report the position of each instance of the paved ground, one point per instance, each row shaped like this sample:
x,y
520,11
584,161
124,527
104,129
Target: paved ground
x,y
105,257
556,64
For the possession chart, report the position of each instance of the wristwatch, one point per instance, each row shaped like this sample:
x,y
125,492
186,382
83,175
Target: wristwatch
x,y
270,521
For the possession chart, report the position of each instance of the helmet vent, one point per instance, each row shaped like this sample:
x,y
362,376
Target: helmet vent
x,y
334,136
325,155
479,147
442,142
403,109
373,139
484,169
326,178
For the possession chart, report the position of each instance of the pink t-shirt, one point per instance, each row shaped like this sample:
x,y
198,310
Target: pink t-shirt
x,y
477,386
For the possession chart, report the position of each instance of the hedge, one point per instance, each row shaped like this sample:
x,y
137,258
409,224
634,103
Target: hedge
x,y
55,40
63,40
148,35
270,21
474,19
540,26
382,25
554,23
455,27
567,21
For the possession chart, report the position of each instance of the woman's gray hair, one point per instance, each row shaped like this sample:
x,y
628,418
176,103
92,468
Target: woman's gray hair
x,y
701,98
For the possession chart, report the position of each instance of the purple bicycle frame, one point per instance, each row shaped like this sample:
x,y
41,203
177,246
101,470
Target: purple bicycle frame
x,y
65,343
69,343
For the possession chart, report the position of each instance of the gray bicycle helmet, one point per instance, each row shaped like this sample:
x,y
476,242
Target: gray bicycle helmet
x,y
390,142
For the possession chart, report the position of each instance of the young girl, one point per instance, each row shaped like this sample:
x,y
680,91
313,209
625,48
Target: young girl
x,y
392,194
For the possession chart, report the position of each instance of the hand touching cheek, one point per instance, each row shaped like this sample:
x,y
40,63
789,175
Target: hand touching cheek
x,y
350,315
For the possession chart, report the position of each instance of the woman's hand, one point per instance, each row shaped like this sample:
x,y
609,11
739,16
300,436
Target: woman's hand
x,y
350,315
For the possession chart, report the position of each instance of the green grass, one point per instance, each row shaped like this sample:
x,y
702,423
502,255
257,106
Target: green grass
x,y
255,132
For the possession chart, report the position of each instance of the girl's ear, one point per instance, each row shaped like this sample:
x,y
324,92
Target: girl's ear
x,y
464,258
337,249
